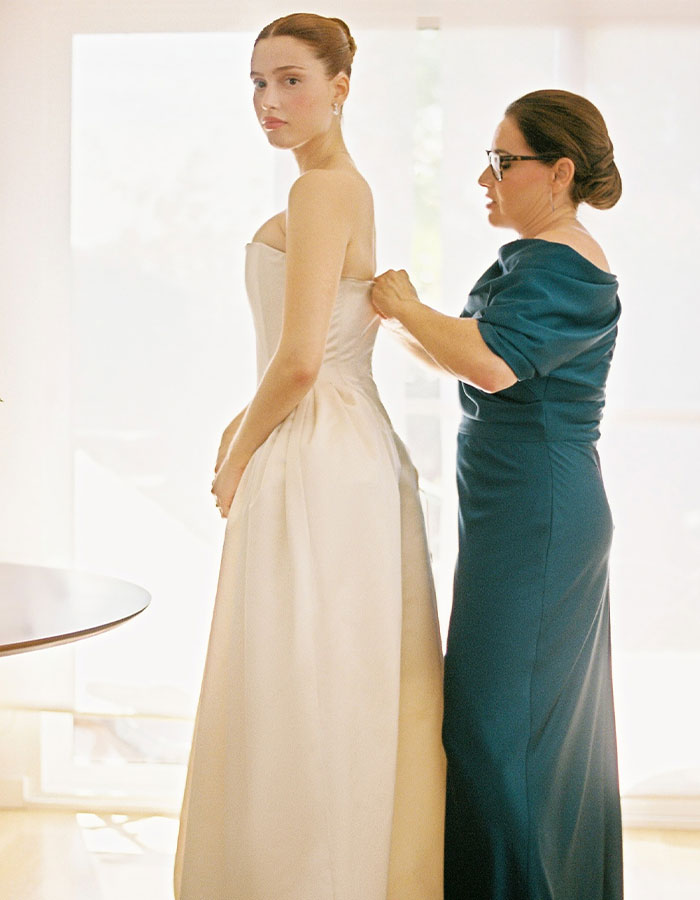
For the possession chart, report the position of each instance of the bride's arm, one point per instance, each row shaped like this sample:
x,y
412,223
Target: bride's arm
x,y
319,227
227,437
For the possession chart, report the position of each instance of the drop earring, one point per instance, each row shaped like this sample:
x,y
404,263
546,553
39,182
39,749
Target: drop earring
x,y
551,198
335,109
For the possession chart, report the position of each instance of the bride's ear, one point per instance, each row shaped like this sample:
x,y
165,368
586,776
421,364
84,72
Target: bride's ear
x,y
341,88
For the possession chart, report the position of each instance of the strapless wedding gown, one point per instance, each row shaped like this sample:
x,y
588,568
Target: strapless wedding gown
x,y
317,769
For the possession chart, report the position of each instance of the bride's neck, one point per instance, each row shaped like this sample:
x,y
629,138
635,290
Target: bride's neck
x,y
322,152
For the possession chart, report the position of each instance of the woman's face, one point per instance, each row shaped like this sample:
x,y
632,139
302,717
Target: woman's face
x,y
293,96
524,196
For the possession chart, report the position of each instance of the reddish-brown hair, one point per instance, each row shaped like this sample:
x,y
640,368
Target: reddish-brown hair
x,y
330,39
566,124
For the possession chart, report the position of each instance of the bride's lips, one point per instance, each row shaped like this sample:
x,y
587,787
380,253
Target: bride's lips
x,y
271,124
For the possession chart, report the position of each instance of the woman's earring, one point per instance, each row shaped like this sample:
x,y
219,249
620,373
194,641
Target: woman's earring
x,y
551,198
335,109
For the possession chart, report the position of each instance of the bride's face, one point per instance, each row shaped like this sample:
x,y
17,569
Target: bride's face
x,y
293,96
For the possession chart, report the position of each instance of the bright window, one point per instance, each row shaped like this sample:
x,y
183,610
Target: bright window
x,y
170,177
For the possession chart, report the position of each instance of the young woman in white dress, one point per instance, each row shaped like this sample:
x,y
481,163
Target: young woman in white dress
x,y
317,769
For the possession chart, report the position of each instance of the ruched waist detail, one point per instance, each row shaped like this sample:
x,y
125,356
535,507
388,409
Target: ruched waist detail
x,y
529,430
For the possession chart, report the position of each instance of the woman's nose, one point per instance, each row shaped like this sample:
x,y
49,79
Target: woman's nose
x,y
268,99
486,178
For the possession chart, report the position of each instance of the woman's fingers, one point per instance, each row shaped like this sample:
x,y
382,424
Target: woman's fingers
x,y
225,485
221,505
390,289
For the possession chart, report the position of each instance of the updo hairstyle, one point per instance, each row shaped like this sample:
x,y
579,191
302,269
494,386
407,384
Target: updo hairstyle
x,y
330,39
566,124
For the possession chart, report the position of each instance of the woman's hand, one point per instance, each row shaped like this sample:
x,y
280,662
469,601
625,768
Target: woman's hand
x,y
226,483
226,438
391,291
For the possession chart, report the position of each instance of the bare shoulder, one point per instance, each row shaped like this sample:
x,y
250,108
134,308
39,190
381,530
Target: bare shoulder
x,y
580,241
337,202
337,186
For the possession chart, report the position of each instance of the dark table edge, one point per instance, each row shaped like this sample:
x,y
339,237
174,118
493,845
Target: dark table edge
x,y
57,640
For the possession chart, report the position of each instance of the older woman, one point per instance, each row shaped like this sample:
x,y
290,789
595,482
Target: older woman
x,y
532,796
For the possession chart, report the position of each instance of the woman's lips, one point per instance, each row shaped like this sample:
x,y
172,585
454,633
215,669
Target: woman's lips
x,y
272,124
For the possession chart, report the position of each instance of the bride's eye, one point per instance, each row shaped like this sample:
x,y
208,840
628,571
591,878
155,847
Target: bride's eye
x,y
293,80
258,84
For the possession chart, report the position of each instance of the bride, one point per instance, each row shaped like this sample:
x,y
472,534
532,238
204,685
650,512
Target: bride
x,y
317,769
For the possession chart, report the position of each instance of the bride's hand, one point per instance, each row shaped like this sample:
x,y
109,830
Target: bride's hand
x,y
390,291
226,438
225,485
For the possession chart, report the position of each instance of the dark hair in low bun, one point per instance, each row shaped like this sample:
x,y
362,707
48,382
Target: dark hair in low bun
x,y
330,39
566,124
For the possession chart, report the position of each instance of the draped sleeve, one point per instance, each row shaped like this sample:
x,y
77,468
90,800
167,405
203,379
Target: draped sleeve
x,y
542,305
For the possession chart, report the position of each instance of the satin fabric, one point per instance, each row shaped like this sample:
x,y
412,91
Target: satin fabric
x,y
317,770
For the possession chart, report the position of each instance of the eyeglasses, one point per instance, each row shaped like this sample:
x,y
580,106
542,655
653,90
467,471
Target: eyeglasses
x,y
501,161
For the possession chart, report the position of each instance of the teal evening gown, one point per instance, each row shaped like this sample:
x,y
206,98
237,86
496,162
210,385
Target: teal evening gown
x,y
533,808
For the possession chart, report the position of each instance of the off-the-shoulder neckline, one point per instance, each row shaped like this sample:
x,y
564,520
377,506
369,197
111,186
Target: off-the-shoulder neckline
x,y
578,255
283,253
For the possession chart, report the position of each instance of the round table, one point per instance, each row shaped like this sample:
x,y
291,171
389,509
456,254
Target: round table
x,y
44,607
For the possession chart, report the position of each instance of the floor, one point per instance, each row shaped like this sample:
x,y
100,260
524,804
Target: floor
x,y
69,856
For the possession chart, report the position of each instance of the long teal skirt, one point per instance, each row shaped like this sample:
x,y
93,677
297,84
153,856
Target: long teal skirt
x,y
533,810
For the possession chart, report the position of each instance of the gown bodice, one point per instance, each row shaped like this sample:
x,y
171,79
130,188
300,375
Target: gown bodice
x,y
353,325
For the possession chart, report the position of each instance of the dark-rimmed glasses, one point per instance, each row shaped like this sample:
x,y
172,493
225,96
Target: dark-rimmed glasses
x,y
497,160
